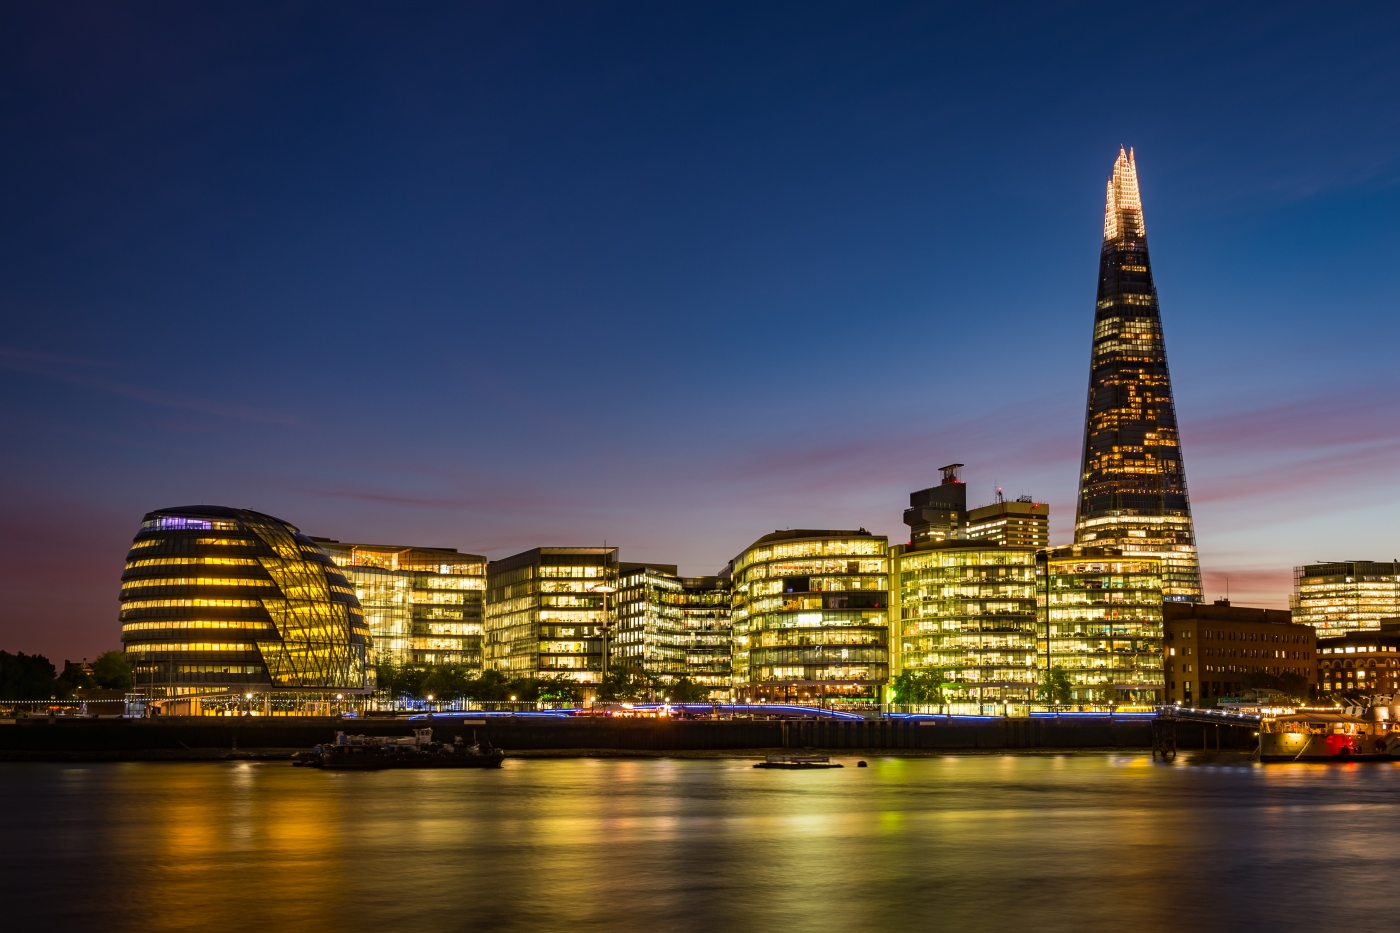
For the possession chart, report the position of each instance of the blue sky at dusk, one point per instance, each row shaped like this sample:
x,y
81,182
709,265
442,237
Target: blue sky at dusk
x,y
499,275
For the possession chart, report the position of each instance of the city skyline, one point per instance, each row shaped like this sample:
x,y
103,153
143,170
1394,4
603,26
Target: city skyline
x,y
644,280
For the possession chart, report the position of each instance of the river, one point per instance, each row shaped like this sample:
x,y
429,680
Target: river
x,y
956,843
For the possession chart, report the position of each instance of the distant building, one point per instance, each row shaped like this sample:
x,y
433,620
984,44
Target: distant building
x,y
811,616
706,609
940,513
1361,664
1210,650
546,609
672,627
1023,523
1132,483
967,612
1346,596
1103,623
217,600
423,605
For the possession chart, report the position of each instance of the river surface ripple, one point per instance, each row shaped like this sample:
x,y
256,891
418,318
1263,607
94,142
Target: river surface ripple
x,y
1039,843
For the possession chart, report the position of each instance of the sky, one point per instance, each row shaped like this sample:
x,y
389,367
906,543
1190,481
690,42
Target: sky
x,y
672,276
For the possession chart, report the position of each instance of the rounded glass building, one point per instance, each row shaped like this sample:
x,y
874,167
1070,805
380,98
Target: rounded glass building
x,y
217,600
811,617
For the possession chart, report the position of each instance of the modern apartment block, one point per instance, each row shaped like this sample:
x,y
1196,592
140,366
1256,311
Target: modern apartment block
x,y
1346,596
811,616
1132,484
967,612
1102,615
546,612
423,605
1209,650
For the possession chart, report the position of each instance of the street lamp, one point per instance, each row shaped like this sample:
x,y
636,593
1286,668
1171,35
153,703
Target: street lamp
x,y
605,590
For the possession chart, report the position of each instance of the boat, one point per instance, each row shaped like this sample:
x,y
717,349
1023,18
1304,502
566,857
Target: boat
x,y
377,753
798,762
1318,735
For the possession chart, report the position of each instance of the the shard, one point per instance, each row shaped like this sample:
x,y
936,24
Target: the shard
x,y
1132,481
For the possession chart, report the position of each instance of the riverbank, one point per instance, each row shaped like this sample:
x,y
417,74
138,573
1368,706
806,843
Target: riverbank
x,y
271,738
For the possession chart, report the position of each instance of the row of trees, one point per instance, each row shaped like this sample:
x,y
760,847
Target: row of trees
x,y
32,676
451,682
927,686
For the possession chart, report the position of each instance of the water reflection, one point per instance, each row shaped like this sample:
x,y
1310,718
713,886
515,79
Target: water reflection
x,y
957,843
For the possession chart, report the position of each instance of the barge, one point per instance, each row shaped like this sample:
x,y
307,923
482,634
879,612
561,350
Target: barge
x,y
1313,735
377,753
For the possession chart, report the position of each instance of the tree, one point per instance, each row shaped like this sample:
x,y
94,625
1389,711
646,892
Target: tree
x,y
1055,687
26,677
1295,686
685,690
918,687
626,682
112,671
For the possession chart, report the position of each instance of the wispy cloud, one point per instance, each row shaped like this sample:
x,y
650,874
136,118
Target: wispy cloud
x,y
72,370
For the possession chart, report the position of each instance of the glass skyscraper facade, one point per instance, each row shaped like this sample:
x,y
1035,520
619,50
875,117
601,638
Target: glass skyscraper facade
x,y
423,605
811,616
1346,596
1132,484
1102,611
217,600
546,612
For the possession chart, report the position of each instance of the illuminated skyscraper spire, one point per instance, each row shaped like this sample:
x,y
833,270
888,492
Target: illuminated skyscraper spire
x,y
1132,482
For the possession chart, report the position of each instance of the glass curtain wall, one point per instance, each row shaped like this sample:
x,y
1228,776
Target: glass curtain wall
x,y
969,614
217,600
1103,623
1351,596
545,614
811,617
1132,486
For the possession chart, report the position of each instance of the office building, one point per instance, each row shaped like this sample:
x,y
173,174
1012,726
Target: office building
x,y
1360,666
1102,618
672,627
1023,523
1346,596
1132,484
1210,650
217,600
423,605
811,617
548,610
967,612
940,513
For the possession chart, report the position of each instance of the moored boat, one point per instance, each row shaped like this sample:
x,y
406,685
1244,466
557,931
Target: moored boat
x,y
1318,735
798,762
376,753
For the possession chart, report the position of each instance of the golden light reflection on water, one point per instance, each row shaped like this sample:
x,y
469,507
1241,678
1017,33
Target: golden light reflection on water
x,y
958,843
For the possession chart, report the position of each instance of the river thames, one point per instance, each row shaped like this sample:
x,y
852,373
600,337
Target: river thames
x,y
1033,842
